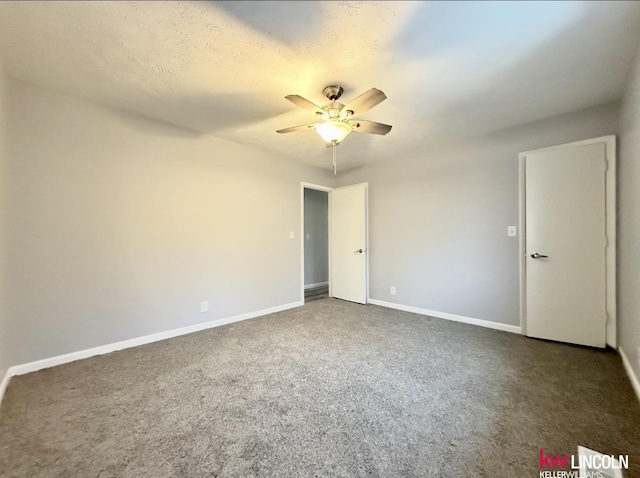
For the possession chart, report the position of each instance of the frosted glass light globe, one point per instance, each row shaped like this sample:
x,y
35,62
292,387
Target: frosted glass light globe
x,y
332,131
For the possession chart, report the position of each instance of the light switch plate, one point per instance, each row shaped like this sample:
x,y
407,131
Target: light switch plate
x,y
292,235
511,231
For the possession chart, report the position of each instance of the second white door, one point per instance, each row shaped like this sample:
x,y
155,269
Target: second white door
x,y
566,244
348,235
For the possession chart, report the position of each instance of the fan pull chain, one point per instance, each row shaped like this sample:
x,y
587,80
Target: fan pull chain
x,y
335,169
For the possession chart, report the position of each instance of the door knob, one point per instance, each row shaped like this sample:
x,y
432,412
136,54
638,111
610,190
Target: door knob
x,y
535,255
359,251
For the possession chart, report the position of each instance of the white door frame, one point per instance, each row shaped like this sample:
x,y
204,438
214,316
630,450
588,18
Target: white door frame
x,y
326,189
610,211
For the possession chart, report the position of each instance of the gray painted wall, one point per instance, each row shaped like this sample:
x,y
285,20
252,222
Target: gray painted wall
x,y
316,227
119,226
439,217
629,221
4,338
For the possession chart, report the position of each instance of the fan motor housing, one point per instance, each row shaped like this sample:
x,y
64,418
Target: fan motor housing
x,y
333,92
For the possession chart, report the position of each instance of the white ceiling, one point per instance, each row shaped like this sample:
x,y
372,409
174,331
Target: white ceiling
x,y
449,69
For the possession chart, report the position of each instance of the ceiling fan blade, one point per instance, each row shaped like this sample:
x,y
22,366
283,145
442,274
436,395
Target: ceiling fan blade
x,y
365,101
305,104
364,126
302,127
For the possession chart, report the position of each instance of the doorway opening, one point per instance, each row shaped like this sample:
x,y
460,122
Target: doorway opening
x,y
315,242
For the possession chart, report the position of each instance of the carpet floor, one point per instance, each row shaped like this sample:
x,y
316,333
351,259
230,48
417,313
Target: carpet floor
x,y
329,389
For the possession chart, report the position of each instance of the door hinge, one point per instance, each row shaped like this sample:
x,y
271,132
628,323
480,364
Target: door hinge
x,y
606,241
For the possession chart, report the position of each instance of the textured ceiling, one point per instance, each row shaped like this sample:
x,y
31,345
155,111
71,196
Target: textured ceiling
x,y
449,69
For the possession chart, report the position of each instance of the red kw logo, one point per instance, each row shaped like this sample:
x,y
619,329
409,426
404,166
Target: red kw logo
x,y
550,461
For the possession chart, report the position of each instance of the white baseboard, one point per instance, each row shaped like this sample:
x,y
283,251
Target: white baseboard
x,y
311,286
632,376
4,384
445,315
125,344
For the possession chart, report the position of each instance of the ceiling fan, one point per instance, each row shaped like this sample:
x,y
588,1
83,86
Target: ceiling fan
x,y
337,119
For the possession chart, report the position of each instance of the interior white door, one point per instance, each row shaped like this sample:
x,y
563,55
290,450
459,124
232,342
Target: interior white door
x,y
565,216
348,231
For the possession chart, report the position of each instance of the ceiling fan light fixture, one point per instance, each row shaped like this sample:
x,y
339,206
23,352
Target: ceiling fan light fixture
x,y
333,131
337,117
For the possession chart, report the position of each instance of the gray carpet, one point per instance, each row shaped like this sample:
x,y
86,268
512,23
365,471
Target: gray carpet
x,y
331,389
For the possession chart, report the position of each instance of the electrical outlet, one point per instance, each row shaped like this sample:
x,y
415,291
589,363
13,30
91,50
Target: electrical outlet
x,y
392,290
204,306
511,231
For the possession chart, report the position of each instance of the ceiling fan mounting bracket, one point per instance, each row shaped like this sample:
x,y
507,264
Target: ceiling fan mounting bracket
x,y
333,92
